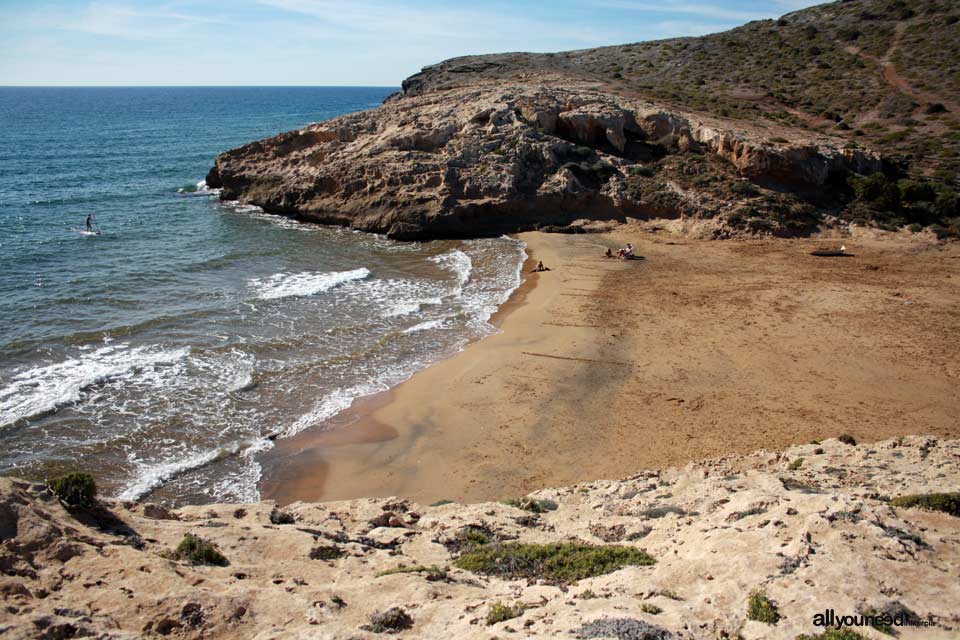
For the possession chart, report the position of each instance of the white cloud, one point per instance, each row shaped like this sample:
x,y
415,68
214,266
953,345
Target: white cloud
x,y
688,8
126,21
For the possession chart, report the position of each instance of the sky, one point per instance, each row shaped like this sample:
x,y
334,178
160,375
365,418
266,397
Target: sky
x,y
322,42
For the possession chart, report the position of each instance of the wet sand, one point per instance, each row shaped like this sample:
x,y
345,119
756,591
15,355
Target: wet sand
x,y
604,367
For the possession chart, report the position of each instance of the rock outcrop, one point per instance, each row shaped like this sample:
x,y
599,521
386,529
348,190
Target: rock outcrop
x,y
493,158
809,529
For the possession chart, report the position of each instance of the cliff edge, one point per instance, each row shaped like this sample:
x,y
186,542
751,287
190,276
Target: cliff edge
x,y
742,546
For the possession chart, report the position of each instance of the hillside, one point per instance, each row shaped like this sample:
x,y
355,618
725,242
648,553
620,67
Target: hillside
x,y
738,547
846,112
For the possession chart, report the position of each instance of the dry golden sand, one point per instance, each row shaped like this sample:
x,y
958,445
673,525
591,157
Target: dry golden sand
x,y
606,367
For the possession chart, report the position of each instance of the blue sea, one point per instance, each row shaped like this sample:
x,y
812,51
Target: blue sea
x,y
167,350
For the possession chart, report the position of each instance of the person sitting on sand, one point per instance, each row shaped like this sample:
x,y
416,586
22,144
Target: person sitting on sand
x,y
609,253
627,252
540,267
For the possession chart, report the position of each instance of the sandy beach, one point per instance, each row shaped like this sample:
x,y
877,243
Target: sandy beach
x,y
604,367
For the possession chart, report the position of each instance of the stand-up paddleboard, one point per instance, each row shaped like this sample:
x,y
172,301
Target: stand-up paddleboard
x,y
84,232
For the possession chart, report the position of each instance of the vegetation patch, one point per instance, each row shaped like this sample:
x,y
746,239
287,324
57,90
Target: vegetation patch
x,y
761,608
281,517
561,562
796,464
847,439
326,552
392,620
652,609
623,629
835,634
945,502
499,612
196,550
434,573
533,505
75,489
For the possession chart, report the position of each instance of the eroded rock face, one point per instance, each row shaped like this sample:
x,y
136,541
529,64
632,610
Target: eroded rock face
x,y
813,527
493,158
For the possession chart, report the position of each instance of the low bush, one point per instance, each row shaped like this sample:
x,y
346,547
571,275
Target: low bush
x,y
945,502
532,505
75,489
846,438
796,464
652,609
196,550
560,562
392,620
281,517
761,608
433,573
499,612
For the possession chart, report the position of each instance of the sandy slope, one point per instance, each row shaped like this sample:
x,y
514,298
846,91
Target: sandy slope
x,y
705,348
815,537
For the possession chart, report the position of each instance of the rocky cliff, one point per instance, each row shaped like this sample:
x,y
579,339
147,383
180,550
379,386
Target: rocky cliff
x,y
723,127
742,546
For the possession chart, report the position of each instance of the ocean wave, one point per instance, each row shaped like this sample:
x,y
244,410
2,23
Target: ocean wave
x,y
44,389
307,283
457,262
426,326
151,476
408,307
198,189
333,403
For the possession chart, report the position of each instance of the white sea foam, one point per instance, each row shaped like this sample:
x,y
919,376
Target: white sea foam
x,y
459,263
46,388
333,403
407,307
307,283
151,475
200,189
426,326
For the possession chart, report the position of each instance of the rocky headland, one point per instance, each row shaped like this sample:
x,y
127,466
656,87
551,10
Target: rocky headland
x,y
740,546
776,128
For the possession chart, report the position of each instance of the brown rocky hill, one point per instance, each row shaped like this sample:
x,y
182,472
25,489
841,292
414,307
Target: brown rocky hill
x,y
843,112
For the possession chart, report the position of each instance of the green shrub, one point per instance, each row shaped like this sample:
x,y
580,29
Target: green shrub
x,y
281,517
75,489
945,502
796,464
325,552
835,634
652,609
499,612
846,438
196,550
532,505
761,608
433,573
560,562
392,620
915,228
916,191
877,191
440,503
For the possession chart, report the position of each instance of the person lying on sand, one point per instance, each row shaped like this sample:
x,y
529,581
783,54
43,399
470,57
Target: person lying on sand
x,y
540,267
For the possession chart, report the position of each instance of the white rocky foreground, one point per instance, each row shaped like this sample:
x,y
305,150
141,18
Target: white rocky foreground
x,y
812,536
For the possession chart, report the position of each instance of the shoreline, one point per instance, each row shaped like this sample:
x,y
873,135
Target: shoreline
x,y
603,368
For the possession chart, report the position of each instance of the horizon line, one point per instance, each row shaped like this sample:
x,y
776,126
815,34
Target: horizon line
x,y
199,86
